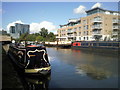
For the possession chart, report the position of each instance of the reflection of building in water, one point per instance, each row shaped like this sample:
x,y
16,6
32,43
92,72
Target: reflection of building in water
x,y
93,72
38,83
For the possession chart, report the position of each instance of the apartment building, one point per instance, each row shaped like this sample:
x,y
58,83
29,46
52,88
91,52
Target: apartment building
x,y
99,24
18,29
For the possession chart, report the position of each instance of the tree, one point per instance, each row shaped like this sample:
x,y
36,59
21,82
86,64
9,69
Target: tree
x,y
23,36
97,37
51,36
31,37
39,38
43,32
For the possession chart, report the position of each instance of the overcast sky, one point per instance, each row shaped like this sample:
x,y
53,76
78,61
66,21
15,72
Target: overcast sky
x,y
47,14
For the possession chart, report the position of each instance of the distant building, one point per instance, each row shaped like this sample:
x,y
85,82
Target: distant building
x,y
98,24
3,32
19,29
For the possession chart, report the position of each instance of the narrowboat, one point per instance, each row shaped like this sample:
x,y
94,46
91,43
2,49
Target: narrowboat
x,y
32,59
97,45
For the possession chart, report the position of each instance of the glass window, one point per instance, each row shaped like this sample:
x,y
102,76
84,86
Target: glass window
x,y
79,28
87,38
79,38
79,33
84,38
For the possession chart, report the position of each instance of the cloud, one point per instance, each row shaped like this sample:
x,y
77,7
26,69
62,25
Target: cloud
x,y
13,24
35,27
97,5
1,28
80,10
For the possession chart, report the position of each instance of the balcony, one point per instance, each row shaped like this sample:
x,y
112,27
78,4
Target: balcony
x,y
115,33
58,37
96,27
115,21
72,35
97,21
96,32
115,27
71,31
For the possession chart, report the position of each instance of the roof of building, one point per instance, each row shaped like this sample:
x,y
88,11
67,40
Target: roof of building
x,y
100,9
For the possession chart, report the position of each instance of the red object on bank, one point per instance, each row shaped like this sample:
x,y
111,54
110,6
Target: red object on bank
x,y
76,44
32,46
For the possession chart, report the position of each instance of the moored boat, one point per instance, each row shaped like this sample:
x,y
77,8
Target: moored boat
x,y
33,59
97,45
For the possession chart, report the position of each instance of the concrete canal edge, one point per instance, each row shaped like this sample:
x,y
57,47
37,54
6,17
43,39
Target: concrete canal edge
x,y
10,78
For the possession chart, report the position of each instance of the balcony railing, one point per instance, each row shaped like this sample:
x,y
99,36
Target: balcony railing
x,y
115,33
71,31
115,27
71,35
115,21
96,33
97,20
96,27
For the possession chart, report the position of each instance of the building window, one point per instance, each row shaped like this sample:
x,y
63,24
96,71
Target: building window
x,y
84,27
79,33
87,32
84,38
79,38
87,38
79,28
75,29
84,32
98,18
13,30
87,27
84,22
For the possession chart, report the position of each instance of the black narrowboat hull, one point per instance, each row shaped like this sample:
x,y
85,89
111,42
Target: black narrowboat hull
x,y
33,60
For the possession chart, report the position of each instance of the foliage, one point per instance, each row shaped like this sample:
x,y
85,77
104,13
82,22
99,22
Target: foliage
x,y
3,32
97,37
51,37
31,37
39,38
44,32
43,35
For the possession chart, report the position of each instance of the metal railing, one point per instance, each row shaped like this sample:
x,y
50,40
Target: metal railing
x,y
96,27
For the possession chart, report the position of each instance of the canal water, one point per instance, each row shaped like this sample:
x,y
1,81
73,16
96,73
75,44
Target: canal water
x,y
82,69
76,69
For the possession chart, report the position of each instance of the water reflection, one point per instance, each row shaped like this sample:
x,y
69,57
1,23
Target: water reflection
x,y
93,72
37,82
92,64
77,69
95,65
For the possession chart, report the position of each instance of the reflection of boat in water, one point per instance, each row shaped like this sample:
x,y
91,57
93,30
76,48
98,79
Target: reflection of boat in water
x,y
32,59
37,83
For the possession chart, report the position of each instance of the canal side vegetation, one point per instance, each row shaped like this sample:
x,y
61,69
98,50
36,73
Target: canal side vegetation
x,y
42,36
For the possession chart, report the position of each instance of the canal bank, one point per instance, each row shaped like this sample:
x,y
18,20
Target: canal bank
x,y
108,47
10,78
